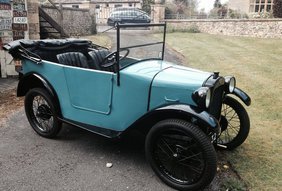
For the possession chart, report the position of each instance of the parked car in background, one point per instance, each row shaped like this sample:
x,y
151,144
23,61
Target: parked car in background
x,y
128,15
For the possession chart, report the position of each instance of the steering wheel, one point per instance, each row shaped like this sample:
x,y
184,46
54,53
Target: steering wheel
x,y
110,59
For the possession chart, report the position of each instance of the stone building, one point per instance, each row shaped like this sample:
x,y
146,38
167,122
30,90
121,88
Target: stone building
x,y
251,6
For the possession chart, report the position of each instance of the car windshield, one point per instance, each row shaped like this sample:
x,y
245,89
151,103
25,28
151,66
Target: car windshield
x,y
140,40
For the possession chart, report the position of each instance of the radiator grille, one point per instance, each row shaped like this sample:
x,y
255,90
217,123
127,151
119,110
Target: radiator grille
x,y
216,102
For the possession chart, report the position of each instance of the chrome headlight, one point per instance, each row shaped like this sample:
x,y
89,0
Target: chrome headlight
x,y
202,97
230,83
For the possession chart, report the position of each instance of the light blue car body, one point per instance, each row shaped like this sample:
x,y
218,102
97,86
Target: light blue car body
x,y
93,97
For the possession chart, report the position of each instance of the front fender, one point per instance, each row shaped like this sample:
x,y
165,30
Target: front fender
x,y
243,96
179,111
192,111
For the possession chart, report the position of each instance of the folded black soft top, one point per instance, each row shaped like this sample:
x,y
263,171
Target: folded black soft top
x,y
47,44
48,48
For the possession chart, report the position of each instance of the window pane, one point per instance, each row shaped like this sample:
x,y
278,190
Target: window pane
x,y
257,8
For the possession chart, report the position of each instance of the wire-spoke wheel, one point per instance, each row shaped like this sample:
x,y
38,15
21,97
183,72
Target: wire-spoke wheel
x,y
41,112
235,124
181,154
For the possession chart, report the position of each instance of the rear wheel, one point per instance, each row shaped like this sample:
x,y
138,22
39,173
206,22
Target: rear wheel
x,y
235,124
181,155
41,112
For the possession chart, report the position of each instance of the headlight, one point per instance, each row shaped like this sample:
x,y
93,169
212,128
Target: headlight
x,y
230,83
208,98
202,97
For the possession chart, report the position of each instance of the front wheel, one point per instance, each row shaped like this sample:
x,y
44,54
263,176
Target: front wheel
x,y
181,155
235,124
41,112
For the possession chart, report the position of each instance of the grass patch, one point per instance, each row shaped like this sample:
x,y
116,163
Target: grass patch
x,y
232,184
256,63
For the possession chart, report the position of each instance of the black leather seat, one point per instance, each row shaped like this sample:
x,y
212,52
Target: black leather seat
x,y
97,56
73,59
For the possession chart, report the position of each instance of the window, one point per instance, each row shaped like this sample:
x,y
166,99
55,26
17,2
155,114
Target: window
x,y
261,5
257,8
97,6
75,6
130,4
118,5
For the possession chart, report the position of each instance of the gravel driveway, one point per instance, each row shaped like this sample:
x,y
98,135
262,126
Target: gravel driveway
x,y
76,160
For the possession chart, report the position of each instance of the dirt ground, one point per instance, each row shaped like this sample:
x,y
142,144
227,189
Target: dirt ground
x,y
9,103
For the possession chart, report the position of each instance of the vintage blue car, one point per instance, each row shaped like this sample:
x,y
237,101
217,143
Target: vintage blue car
x,y
184,113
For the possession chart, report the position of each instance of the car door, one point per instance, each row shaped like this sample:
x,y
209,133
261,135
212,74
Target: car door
x,y
89,90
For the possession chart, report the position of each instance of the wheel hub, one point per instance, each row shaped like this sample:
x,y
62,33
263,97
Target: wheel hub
x,y
177,154
43,112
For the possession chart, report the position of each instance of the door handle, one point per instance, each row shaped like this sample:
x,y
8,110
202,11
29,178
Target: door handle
x,y
171,100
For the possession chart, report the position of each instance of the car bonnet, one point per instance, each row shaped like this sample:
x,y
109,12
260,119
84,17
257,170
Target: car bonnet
x,y
176,75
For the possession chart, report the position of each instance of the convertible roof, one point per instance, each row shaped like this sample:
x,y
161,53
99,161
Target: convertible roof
x,y
47,44
44,47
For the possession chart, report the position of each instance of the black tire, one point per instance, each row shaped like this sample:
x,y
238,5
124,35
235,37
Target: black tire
x,y
181,155
41,112
116,23
235,124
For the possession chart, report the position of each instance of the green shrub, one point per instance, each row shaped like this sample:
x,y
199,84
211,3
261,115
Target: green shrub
x,y
191,29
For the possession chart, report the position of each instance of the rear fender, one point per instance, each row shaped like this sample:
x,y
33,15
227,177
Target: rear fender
x,y
33,80
30,81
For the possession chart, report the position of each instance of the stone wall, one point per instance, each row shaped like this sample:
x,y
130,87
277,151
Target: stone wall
x,y
75,21
14,25
266,28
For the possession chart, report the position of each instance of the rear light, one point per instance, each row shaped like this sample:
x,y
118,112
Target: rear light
x,y
18,65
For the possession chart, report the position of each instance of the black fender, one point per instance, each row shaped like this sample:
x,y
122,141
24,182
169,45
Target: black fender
x,y
180,111
243,96
33,80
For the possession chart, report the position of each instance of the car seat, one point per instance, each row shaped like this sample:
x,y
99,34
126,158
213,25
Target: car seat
x,y
97,57
73,59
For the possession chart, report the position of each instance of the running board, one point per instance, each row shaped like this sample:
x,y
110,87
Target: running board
x,y
108,133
